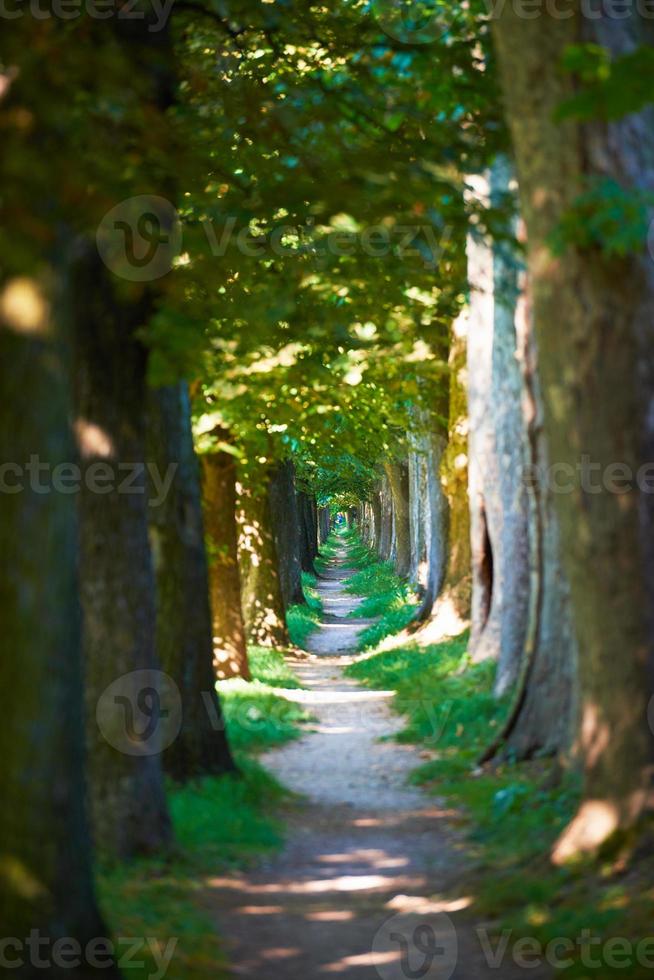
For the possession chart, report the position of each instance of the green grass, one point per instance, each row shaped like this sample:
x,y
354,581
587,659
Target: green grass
x,y
357,553
309,587
386,597
448,702
257,718
302,620
270,667
512,813
219,825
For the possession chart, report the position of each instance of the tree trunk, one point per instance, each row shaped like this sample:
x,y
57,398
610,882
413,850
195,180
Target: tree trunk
x,y
230,655
593,321
376,506
386,520
47,882
436,524
544,719
398,479
263,606
184,628
499,508
132,707
418,515
454,475
285,520
308,532
433,537
324,524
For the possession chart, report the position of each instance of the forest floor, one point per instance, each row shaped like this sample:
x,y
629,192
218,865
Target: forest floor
x,y
374,879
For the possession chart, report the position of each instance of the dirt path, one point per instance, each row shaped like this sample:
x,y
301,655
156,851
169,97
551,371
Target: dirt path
x,y
370,882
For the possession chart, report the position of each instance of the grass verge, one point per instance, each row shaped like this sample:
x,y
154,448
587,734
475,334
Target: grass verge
x,y
257,718
577,916
220,823
302,620
386,597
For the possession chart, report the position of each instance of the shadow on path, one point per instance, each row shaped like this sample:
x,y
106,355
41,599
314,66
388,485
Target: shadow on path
x,y
370,884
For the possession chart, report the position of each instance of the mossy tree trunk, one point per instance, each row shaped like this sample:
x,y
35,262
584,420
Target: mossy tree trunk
x,y
498,498
230,654
307,516
435,516
324,524
418,514
386,536
184,626
126,724
544,717
46,882
593,321
454,475
397,474
376,522
263,606
285,520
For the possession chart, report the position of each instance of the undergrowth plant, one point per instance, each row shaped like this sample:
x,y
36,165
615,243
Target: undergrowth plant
x,y
514,812
219,823
386,597
302,620
257,718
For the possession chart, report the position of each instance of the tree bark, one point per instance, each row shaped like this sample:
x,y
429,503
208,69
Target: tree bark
x,y
593,321
263,606
47,882
397,474
376,523
544,720
499,509
285,520
386,537
230,655
184,627
454,475
129,714
436,524
418,515
432,511
308,532
324,524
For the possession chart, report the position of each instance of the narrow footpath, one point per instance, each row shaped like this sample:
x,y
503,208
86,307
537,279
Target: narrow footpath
x,y
370,883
